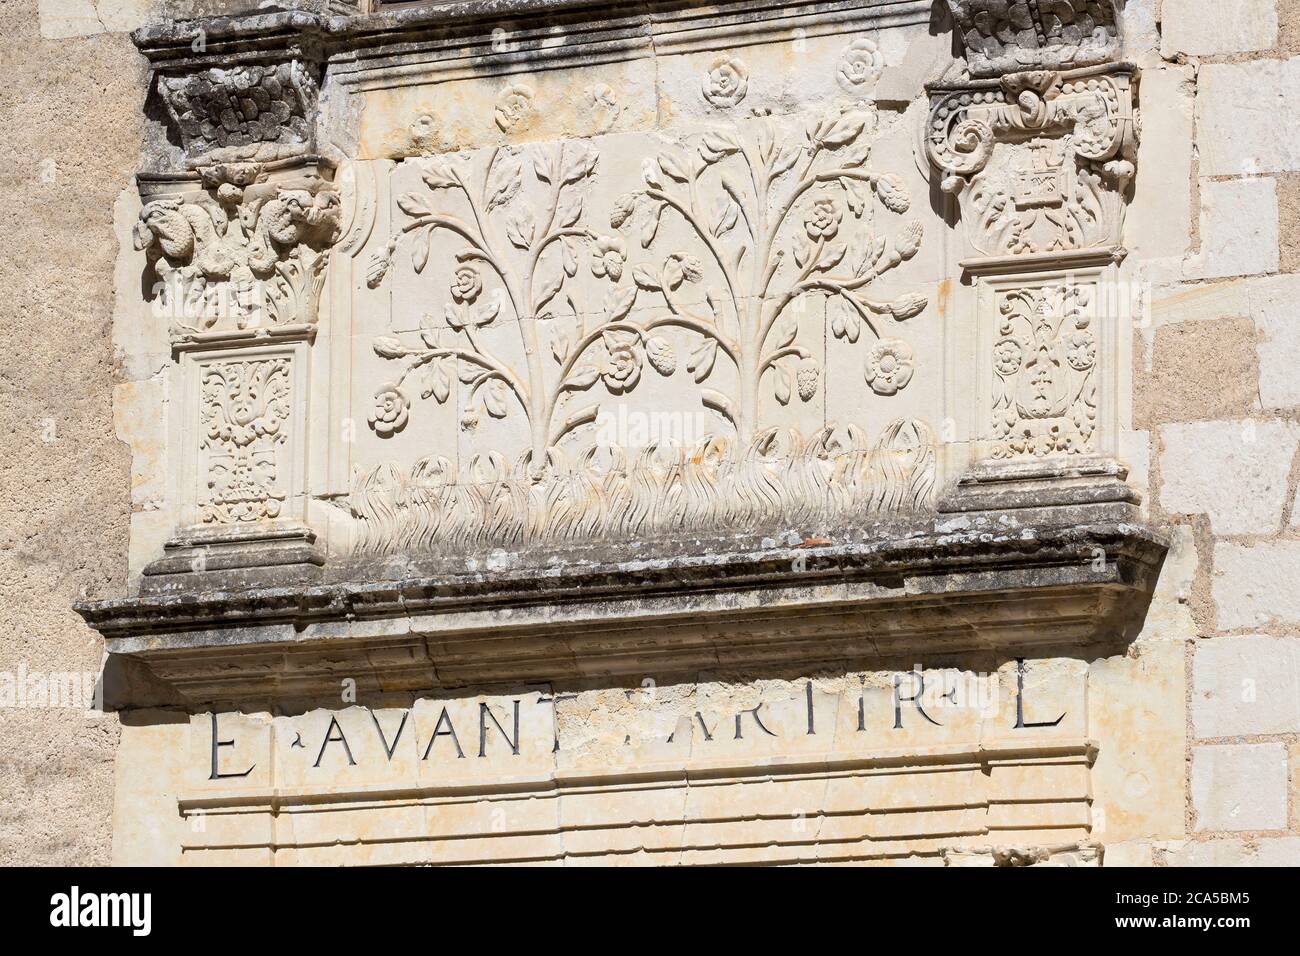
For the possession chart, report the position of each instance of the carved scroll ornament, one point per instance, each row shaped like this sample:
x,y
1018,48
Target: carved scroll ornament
x,y
1067,144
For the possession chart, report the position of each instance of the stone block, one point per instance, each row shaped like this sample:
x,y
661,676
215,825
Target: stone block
x,y
1239,787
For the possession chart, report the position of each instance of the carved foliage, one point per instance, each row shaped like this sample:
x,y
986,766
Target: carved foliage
x,y
1044,373
1065,145
769,219
243,253
1002,36
251,111
245,406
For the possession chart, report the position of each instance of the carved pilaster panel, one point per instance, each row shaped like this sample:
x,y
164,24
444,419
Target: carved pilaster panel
x,y
1048,351
246,431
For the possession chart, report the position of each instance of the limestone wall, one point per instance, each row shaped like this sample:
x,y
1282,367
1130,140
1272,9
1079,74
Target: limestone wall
x,y
730,729
1215,405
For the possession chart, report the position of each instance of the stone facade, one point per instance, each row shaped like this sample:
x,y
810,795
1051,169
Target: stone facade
x,y
546,433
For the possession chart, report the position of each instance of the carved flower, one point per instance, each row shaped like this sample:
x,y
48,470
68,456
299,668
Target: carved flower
x,y
889,366
727,82
893,193
391,410
514,104
607,258
625,354
908,241
823,218
908,306
1008,356
466,284
624,206
860,64
1080,350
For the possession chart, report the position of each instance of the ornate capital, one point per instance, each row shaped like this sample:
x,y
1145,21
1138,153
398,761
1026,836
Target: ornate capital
x,y
239,249
1067,144
1006,36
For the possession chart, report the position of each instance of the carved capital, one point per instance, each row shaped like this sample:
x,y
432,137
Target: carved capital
x,y
238,249
1009,36
1067,147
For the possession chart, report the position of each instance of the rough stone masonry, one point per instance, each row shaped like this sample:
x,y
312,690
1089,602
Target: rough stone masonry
x,y
572,432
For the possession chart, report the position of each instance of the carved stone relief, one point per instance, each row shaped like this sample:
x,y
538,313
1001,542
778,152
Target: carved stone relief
x,y
1040,160
248,112
760,222
244,415
1002,36
245,252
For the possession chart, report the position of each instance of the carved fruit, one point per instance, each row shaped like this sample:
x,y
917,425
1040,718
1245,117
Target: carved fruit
x,y
661,354
806,377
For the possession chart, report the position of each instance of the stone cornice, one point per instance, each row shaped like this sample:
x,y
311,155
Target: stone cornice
x,y
969,585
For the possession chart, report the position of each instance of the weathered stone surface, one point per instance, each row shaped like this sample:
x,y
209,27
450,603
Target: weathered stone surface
x,y
1209,27
1246,685
1238,787
1237,111
567,432
1253,583
1201,459
1199,370
1239,229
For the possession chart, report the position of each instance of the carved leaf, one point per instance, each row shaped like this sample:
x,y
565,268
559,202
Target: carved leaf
x,y
618,303
570,209
845,321
388,347
579,161
543,165
785,160
702,358
438,382
494,398
439,174
420,250
787,330
582,378
548,289
716,144
719,402
672,166
559,345
727,214
782,384
413,205
646,278
521,228
831,257
487,311
570,255
505,180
